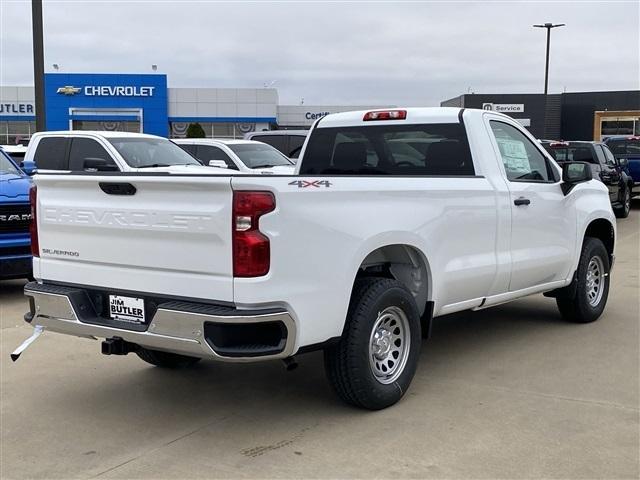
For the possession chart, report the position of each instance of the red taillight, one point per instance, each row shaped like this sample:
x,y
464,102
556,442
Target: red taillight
x,y
251,251
385,115
33,225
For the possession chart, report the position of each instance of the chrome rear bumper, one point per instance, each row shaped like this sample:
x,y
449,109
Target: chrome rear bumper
x,y
177,326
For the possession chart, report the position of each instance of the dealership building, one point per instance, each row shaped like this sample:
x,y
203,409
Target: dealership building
x,y
145,103
566,116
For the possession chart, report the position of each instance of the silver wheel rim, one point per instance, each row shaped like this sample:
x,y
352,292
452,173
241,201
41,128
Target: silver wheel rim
x,y
595,281
389,345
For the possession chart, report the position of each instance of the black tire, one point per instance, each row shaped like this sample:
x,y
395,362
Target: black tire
x,y
577,308
166,359
625,204
349,364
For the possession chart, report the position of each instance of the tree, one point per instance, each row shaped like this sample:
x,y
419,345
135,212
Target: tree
x,y
195,130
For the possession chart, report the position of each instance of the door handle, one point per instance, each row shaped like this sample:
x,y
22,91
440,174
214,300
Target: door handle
x,y
117,188
521,201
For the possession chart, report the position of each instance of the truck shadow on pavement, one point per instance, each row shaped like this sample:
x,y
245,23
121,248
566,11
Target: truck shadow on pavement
x,y
134,389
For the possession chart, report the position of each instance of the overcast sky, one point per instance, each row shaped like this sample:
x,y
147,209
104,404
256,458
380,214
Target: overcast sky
x,y
409,53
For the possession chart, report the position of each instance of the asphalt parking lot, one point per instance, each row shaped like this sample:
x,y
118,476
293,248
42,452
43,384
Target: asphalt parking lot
x,y
509,392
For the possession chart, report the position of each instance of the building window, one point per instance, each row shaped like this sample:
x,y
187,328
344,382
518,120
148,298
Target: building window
x,y
13,133
121,126
213,129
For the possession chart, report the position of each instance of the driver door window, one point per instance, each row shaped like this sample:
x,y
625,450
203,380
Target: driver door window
x,y
86,153
523,162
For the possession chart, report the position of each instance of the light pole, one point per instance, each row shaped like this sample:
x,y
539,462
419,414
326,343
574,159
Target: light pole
x,y
38,64
548,26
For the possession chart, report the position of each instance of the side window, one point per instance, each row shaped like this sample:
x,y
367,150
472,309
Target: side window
x,y
523,162
206,153
295,145
611,160
276,141
86,153
51,153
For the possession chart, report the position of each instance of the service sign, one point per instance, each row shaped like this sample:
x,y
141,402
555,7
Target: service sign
x,y
504,107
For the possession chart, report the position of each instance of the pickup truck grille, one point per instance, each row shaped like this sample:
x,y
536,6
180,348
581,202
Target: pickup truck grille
x,y
15,218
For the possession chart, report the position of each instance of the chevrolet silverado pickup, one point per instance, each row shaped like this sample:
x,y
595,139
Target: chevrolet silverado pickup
x,y
394,217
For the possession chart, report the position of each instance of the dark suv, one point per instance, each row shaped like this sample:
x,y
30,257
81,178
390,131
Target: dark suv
x,y
626,149
604,167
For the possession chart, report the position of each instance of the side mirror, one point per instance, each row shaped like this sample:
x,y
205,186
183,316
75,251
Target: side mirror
x,y
574,173
218,163
28,167
99,165
623,162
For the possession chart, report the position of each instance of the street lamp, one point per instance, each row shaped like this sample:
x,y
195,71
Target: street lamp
x,y
548,26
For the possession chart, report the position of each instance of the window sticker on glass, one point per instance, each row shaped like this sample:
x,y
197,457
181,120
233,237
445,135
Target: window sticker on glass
x,y
514,155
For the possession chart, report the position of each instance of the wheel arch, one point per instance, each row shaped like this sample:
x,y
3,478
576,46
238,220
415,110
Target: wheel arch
x,y
602,229
405,263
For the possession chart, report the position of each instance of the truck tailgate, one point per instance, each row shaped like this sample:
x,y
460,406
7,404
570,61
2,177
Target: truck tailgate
x,y
172,236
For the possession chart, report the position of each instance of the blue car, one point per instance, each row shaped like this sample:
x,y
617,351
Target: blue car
x,y
15,217
626,148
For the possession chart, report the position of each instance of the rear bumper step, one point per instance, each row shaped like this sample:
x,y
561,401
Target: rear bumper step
x,y
187,328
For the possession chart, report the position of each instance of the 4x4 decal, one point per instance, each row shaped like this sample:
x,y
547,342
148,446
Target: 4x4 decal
x,y
311,183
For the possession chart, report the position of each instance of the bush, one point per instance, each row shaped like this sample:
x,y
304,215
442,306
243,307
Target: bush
x,y
195,130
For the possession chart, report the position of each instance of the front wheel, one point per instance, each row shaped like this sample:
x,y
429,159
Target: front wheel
x,y
591,285
625,204
373,364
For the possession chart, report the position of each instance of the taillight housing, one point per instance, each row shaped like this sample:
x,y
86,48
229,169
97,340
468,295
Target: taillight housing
x,y
251,249
385,115
33,225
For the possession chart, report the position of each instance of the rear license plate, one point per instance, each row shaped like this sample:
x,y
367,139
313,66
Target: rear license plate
x,y
126,309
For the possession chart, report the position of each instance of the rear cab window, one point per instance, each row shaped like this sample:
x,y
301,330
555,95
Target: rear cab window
x,y
438,149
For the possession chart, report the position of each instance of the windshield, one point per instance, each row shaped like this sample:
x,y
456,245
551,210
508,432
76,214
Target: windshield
x,y
624,146
257,155
151,152
6,166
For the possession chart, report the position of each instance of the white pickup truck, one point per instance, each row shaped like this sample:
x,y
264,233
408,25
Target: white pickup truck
x,y
81,151
395,217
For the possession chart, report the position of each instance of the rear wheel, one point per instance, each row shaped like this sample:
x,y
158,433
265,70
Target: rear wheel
x,y
166,359
591,285
373,364
625,204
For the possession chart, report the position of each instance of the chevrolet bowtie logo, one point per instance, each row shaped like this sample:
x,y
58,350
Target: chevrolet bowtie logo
x,y
68,90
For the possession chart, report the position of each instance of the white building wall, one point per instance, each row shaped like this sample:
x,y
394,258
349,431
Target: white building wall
x,y
305,115
221,103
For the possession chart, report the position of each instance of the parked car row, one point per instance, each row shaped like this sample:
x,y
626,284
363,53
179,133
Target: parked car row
x,y
604,167
394,217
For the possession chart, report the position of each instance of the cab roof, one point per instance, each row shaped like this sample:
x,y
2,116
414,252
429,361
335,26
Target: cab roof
x,y
94,133
414,115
